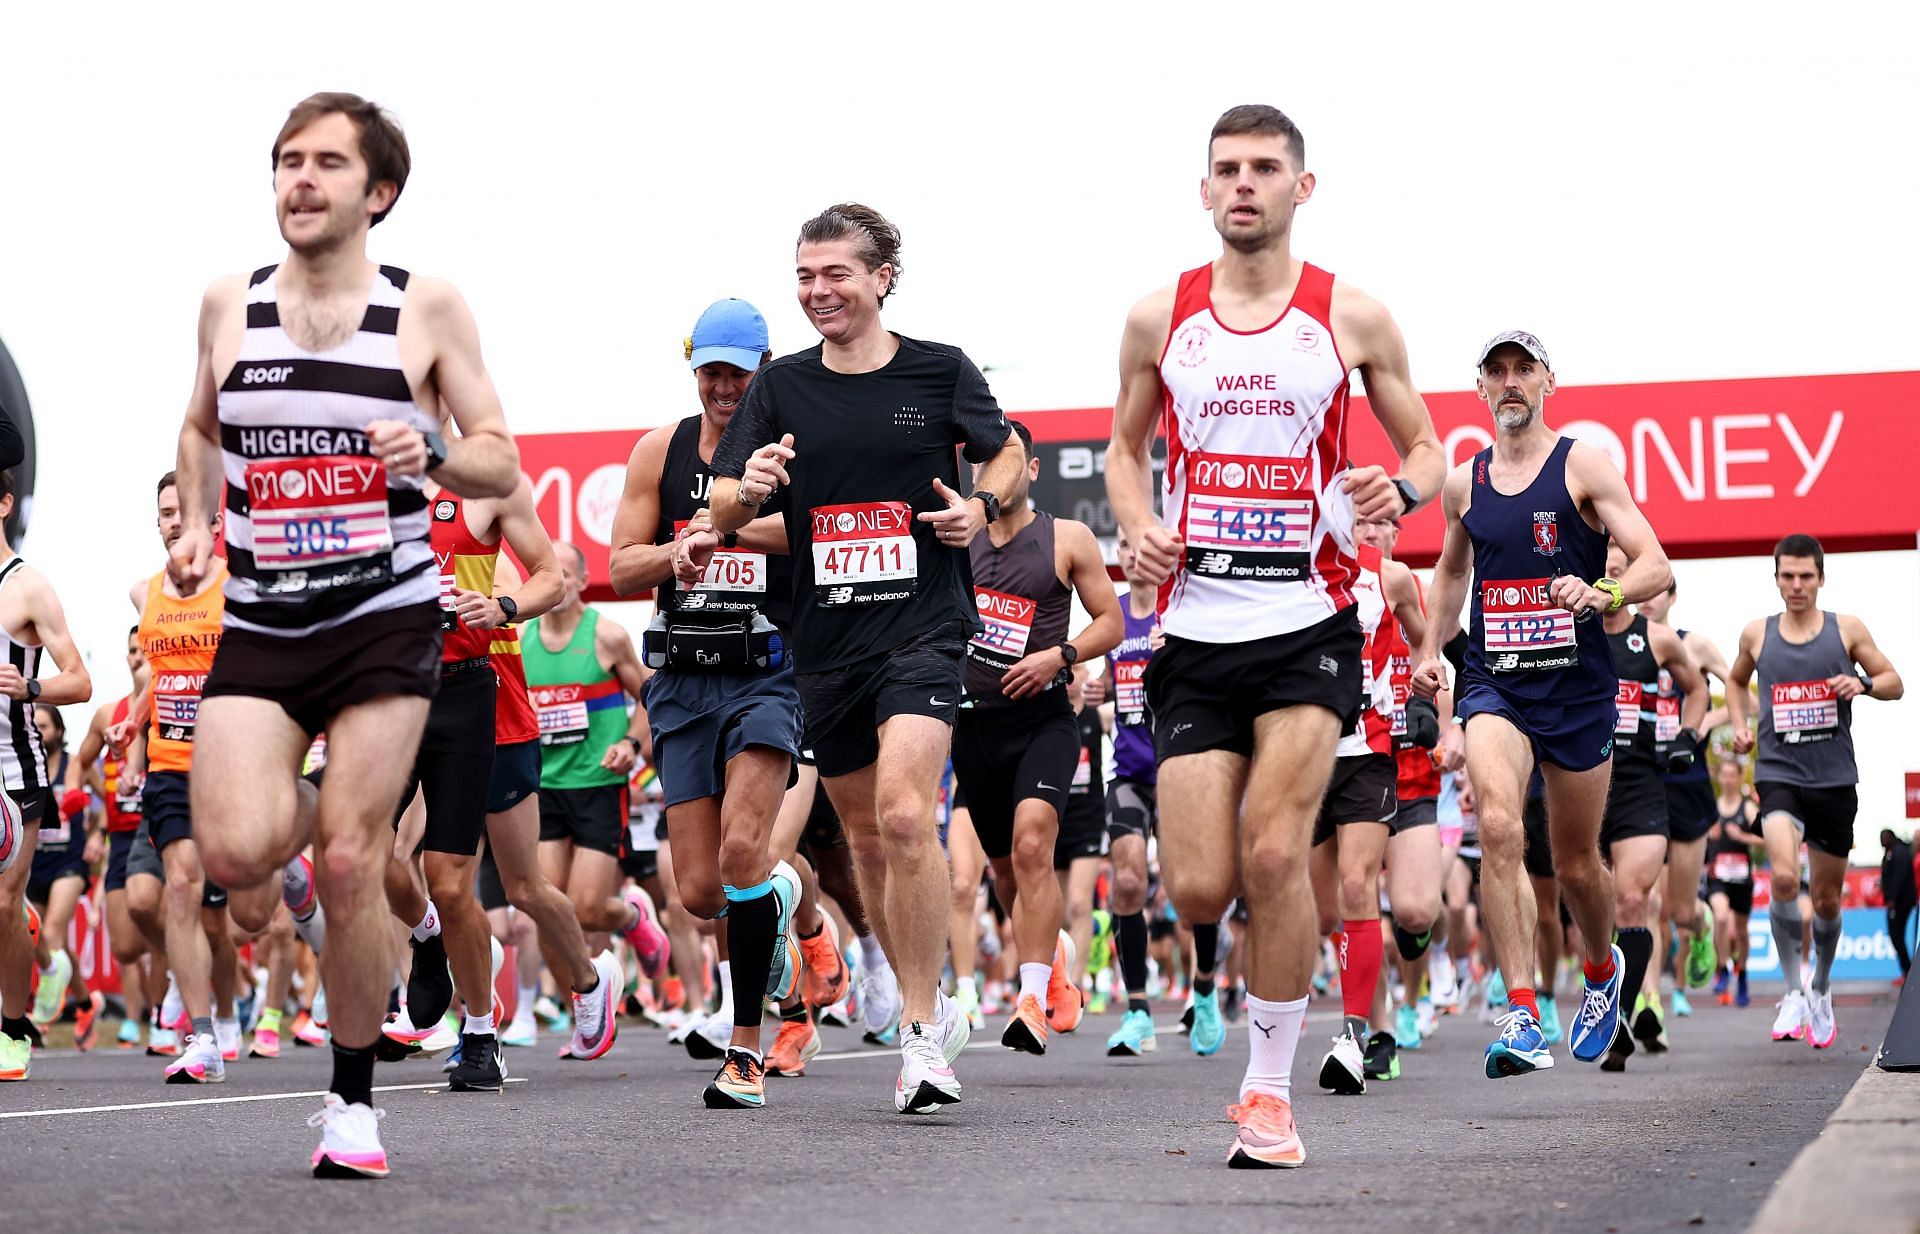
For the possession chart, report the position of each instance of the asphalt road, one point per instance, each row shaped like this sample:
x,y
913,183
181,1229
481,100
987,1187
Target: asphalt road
x,y
1072,1141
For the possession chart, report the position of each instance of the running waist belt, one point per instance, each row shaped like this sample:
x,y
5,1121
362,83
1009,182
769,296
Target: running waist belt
x,y
748,645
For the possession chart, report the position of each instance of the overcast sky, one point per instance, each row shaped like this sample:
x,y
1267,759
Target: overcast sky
x,y
1659,192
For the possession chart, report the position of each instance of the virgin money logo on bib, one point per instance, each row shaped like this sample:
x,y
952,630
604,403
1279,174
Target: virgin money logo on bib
x,y
1007,624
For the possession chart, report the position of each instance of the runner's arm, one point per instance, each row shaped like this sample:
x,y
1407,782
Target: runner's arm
x,y
200,474
1672,655
1380,353
1403,597
1706,655
71,684
1449,588
1088,574
1648,572
618,657
1867,654
482,461
1130,452
90,746
540,588
1740,676
636,563
753,426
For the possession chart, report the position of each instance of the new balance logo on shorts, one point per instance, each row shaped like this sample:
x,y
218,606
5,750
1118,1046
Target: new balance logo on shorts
x,y
1330,666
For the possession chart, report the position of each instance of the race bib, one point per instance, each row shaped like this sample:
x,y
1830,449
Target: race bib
x,y
1732,868
1129,693
1006,625
1401,674
1626,700
1805,711
1249,516
863,554
176,704
561,712
1666,710
735,570
1082,773
319,523
1523,628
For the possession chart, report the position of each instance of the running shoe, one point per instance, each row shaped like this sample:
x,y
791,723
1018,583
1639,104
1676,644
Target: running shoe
x,y
1821,1030
173,1012
1701,959
33,923
879,1005
740,1084
1496,990
955,1029
430,981
1442,981
1382,1057
1344,1070
266,1041
926,1080
827,972
1133,1038
1682,1005
1100,942
1186,1012
50,998
1065,1003
1209,1031
1097,1003
1741,998
307,1032
1520,1048
1267,1139
523,1031
199,1063
1720,980
162,1042
129,1034
16,1058
649,942
86,1020
1619,1052
226,1034
1027,1027
794,1047
1428,1017
349,1140
594,1021
839,1015
712,1036
1649,1025
1406,1028
1599,1013
968,1000
1550,1029
483,1067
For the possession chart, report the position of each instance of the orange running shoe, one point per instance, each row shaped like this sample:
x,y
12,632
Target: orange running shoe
x,y
33,924
1027,1030
794,1048
1065,1002
1268,1140
827,974
308,1033
673,993
86,1020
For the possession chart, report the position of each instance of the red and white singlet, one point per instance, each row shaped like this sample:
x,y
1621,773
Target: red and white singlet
x,y
1372,732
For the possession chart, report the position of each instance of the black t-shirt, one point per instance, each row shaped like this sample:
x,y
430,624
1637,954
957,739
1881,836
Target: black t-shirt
x,y
868,576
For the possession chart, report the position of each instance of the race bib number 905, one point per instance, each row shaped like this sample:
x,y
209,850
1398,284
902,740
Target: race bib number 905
x,y
1523,628
863,553
319,522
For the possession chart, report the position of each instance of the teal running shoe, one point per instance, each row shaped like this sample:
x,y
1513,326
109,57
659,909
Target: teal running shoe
x,y
1209,1031
1406,1028
1133,1038
1550,1029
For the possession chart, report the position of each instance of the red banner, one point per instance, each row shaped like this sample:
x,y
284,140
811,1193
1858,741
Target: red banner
x,y
1721,468
1913,794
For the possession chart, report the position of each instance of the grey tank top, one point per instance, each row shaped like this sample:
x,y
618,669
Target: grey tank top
x,y
1806,733
1023,606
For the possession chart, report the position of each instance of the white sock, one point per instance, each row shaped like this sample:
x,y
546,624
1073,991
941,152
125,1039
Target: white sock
x,y
1033,980
1273,1030
429,924
726,988
482,1024
966,985
873,957
526,995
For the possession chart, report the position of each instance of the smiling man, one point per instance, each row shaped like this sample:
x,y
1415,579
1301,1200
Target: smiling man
x,y
861,432
316,405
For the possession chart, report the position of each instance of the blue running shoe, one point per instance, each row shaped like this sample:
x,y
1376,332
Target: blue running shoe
x,y
1406,1028
1720,980
1520,1047
1599,1014
1209,1031
1134,1037
1740,998
1550,1020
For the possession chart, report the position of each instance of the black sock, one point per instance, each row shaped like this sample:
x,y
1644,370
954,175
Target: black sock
x,y
352,1074
1636,945
17,1027
750,929
796,1012
1202,986
1132,932
1206,950
1412,946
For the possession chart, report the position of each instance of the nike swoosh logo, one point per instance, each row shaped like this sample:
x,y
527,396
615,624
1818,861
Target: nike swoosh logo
x,y
1043,784
938,702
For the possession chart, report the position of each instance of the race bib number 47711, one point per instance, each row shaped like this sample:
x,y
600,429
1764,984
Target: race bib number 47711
x,y
863,553
1249,516
320,521
1524,629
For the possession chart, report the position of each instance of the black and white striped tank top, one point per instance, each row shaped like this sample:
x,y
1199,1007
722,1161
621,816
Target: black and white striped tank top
x,y
23,761
318,533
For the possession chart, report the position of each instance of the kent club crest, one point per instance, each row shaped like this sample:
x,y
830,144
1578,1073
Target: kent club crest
x,y
1546,533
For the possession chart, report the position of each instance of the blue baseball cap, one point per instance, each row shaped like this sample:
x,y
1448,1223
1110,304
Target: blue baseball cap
x,y
729,332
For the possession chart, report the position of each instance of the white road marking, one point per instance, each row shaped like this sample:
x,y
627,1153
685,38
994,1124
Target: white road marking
x,y
178,1105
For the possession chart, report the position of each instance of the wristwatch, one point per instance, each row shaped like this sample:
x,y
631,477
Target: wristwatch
x,y
436,449
989,501
1866,680
508,607
730,539
1409,495
1612,588
1070,654
633,741
33,689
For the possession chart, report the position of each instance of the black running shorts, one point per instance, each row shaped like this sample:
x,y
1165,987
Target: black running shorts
x,y
454,766
1824,815
1206,696
396,652
1005,755
1130,810
843,708
1362,790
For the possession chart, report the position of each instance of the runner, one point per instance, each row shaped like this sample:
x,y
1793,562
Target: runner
x,y
722,702
1077,854
1249,360
861,430
1633,833
316,408
1525,515
62,867
1812,665
32,626
1016,742
1732,844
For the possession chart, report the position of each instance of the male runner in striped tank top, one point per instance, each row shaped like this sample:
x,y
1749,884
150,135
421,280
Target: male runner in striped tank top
x,y
1527,516
1248,361
1812,665
316,402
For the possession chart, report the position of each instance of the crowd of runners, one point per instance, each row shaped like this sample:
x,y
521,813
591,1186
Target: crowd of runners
x,y
894,756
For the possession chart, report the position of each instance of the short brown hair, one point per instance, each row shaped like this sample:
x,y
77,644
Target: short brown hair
x,y
1258,118
382,144
170,480
876,241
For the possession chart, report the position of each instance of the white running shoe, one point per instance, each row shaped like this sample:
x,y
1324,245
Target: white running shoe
x,y
879,1003
226,1034
349,1141
710,1039
1821,1030
1442,980
1344,1070
837,1015
172,1010
199,1062
594,1015
926,1079
955,1029
1426,1017
1791,1023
